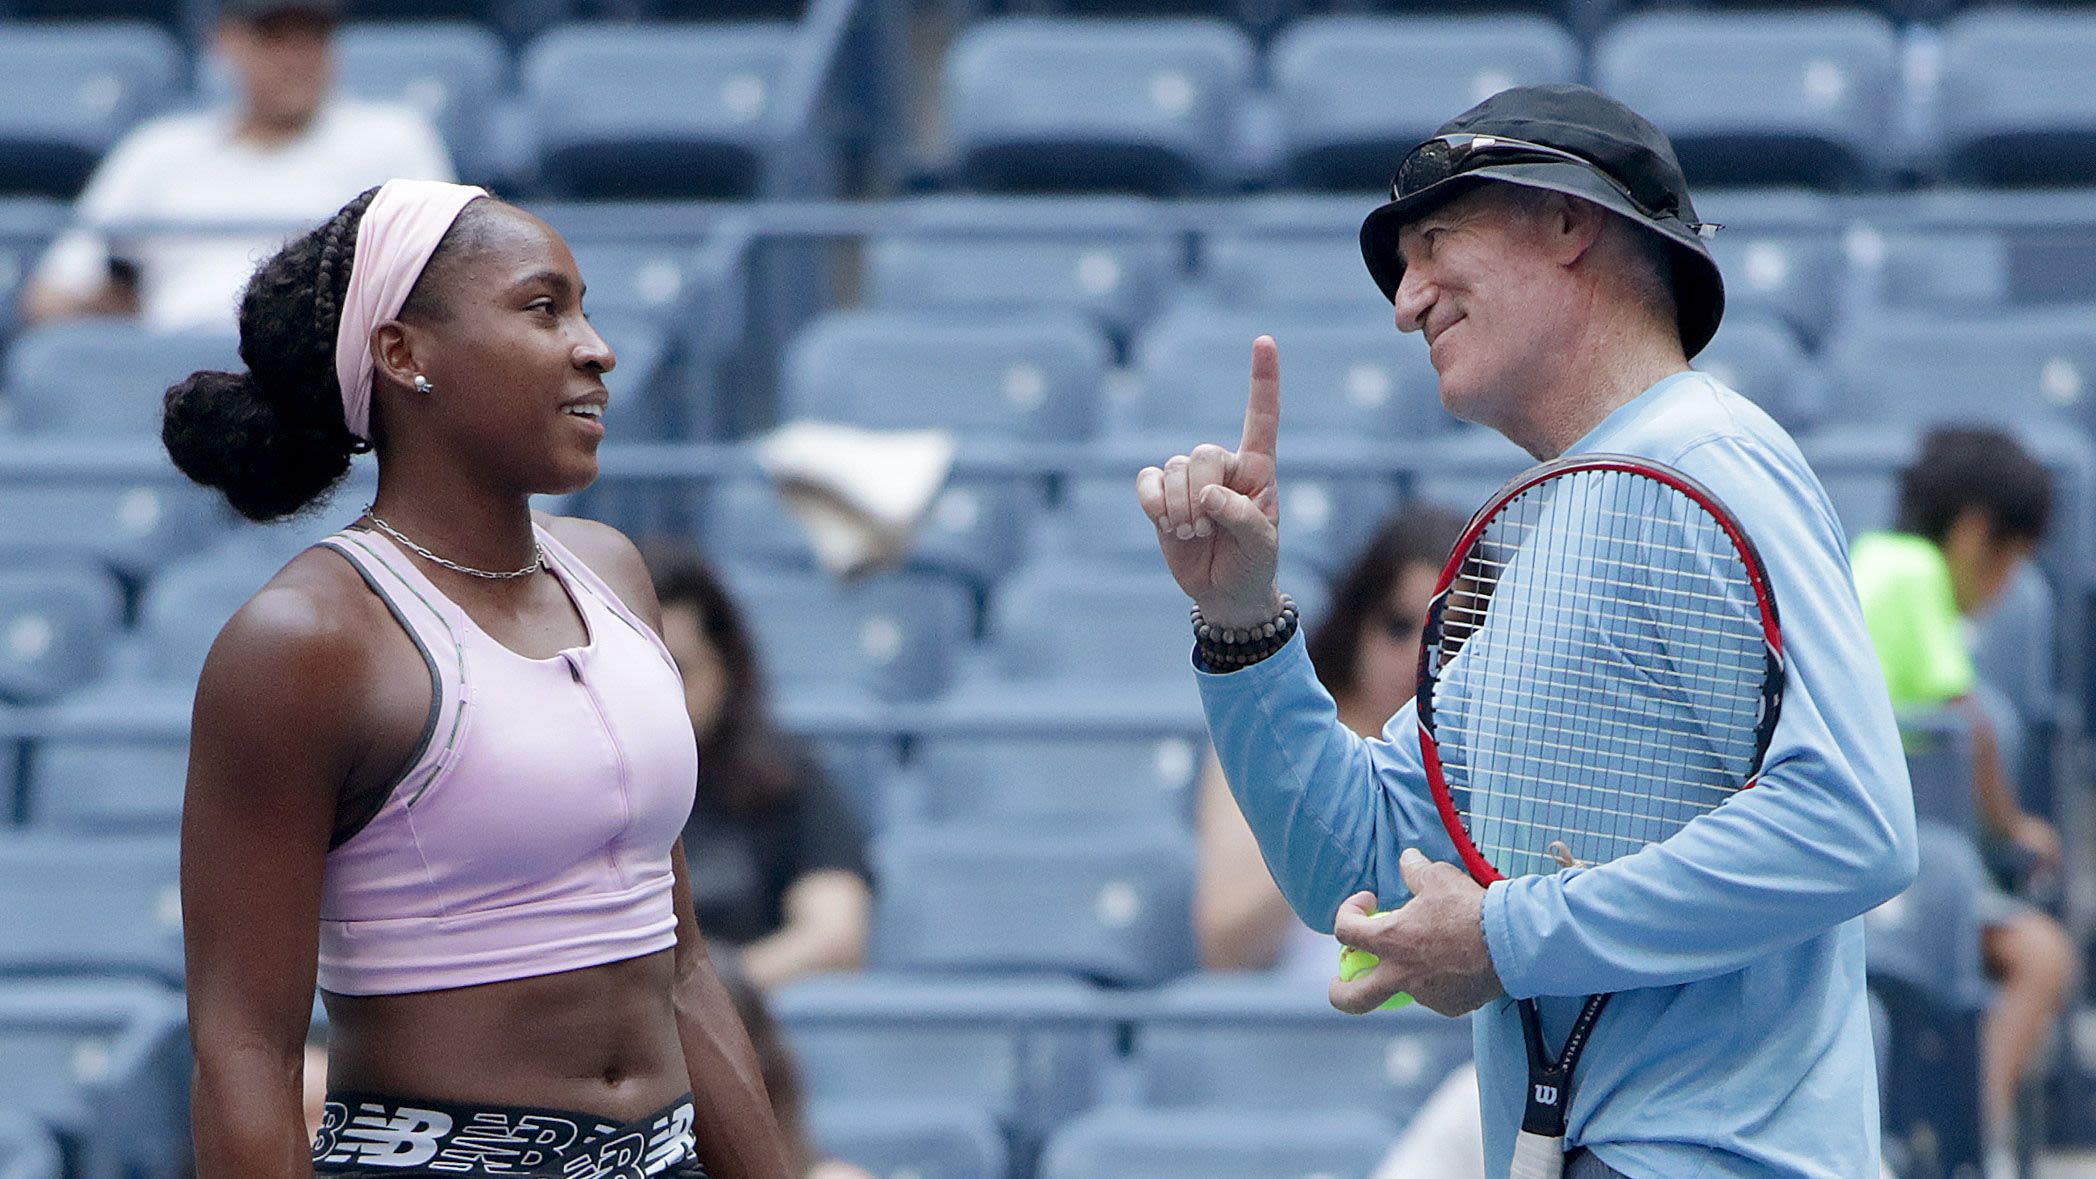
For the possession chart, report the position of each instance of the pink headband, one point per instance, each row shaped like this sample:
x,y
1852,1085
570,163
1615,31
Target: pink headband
x,y
400,230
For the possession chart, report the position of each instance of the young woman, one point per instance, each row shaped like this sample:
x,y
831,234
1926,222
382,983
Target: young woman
x,y
440,762
779,859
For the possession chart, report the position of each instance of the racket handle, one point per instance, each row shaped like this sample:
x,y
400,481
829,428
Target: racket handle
x,y
1537,1157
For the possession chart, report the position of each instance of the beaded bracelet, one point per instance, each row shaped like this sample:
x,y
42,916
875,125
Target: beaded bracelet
x,y
1231,648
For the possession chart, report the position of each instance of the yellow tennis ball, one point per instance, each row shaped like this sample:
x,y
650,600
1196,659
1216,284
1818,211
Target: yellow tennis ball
x,y
1355,963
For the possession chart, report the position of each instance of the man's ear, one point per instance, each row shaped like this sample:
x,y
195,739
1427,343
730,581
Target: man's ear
x,y
393,354
1572,227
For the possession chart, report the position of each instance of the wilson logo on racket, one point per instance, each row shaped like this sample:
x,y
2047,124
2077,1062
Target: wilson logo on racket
x,y
1602,665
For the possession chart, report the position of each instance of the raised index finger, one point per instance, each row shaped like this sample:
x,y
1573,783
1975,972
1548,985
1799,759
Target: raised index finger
x,y
1263,408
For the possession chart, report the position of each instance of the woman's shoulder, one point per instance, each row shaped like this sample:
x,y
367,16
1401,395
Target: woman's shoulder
x,y
609,554
306,631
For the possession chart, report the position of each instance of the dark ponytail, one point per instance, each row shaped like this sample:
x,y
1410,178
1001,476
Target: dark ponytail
x,y
272,438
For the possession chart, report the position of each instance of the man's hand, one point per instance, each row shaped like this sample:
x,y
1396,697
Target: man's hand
x,y
1432,948
1217,512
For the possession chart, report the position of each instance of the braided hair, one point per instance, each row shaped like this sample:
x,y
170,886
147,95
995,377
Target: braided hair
x,y
273,439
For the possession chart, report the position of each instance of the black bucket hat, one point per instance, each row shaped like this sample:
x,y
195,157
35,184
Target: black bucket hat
x,y
1569,139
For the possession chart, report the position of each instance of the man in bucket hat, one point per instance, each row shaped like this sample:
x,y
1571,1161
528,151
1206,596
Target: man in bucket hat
x,y
1545,244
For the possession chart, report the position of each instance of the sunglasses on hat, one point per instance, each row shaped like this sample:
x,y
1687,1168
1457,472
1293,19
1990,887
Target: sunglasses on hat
x,y
1445,157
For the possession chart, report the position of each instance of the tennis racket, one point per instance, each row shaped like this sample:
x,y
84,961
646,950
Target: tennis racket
x,y
1601,665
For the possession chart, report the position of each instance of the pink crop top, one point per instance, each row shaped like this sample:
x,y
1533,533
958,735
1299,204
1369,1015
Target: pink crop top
x,y
532,832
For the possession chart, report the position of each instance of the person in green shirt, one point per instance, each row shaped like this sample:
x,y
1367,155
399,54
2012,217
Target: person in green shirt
x,y
1973,507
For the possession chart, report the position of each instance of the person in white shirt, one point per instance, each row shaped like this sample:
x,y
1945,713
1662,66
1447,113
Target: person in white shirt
x,y
285,153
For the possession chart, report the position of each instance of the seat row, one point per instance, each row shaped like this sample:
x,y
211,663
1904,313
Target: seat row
x,y
1817,98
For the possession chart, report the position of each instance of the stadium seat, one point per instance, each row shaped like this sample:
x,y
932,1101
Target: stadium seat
x,y
27,1150
1365,383
924,1141
27,225
1925,966
185,607
1357,93
1956,250
105,378
660,111
1783,255
58,619
1028,1052
2019,102
1116,1143
1134,633
1325,517
455,73
1245,1042
1938,745
887,638
1030,781
1802,98
1289,253
68,91
1761,358
134,528
2015,647
994,375
90,904
975,528
1118,105
2024,368
1104,256
1110,905
1462,470
112,758
104,1063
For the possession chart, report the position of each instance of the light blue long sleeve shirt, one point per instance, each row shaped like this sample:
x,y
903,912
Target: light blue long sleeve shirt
x,y
1738,1043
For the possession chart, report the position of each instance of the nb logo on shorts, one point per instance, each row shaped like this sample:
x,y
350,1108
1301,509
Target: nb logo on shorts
x,y
409,1138
1546,1094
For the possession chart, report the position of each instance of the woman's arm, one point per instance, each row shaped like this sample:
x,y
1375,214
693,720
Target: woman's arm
x,y
738,1138
1239,913
828,913
268,753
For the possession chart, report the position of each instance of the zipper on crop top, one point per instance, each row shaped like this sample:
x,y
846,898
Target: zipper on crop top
x,y
618,752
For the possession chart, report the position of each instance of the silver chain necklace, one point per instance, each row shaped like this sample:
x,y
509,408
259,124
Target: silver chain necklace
x,y
538,557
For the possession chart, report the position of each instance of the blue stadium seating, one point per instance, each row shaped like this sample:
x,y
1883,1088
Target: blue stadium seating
x,y
112,758
185,607
1762,359
928,1141
27,225
1925,966
1366,383
2024,368
1104,256
998,375
1122,105
105,1064
2019,102
1245,1042
1027,780
1111,905
661,111
134,528
1116,1143
888,638
101,377
1967,249
1356,93
455,73
1462,470
1293,252
58,617
1134,634
27,1150
1029,1052
1783,255
1325,518
90,904
2015,648
69,91
1762,98
1938,745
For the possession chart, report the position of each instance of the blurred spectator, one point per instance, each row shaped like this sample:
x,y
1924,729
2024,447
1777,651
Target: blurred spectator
x,y
286,151
782,1080
1366,651
778,857
1972,509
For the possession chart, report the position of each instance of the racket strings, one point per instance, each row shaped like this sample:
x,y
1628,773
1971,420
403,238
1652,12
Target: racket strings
x,y
1600,671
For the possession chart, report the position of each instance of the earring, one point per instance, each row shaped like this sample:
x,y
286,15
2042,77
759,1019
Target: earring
x,y
422,384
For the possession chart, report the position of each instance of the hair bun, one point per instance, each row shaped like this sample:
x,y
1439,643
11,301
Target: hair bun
x,y
223,432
